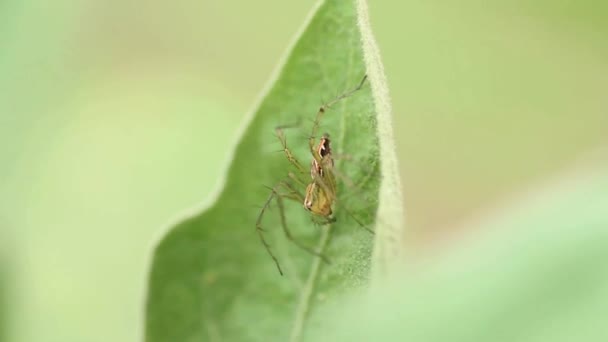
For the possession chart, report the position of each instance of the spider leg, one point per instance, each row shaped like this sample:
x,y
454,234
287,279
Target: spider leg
x,y
350,184
367,167
322,109
349,213
279,198
292,159
260,231
288,232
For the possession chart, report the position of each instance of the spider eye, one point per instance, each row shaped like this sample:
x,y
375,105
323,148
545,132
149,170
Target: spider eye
x,y
324,148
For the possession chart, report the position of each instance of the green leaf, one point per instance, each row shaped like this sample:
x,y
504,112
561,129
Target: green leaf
x,y
211,278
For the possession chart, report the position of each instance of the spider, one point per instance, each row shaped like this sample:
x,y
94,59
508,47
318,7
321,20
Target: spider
x,y
320,193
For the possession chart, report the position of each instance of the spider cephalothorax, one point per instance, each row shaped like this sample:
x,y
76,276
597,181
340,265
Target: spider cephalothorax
x,y
321,192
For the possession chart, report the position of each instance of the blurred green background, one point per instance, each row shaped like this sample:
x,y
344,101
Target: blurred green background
x,y
115,116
